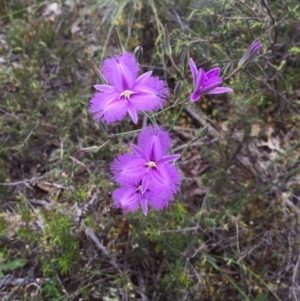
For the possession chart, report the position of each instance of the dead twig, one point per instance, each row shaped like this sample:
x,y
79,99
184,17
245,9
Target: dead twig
x,y
90,233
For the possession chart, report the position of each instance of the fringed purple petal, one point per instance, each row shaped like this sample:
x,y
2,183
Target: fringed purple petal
x,y
129,198
166,177
142,79
106,106
101,100
175,176
152,85
160,178
121,71
154,149
149,93
126,198
159,200
151,135
114,111
147,102
104,88
138,151
128,169
169,158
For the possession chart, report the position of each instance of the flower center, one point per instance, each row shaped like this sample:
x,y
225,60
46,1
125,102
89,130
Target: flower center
x,y
151,164
126,94
139,189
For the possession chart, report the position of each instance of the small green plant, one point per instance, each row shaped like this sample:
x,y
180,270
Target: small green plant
x,y
59,247
11,265
52,291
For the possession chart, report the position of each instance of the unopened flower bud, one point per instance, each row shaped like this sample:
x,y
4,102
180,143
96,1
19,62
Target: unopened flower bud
x,y
138,52
185,57
91,149
98,72
167,44
202,133
178,89
250,54
181,70
103,127
94,148
228,68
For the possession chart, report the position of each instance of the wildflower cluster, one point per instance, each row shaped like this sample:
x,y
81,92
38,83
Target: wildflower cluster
x,y
147,176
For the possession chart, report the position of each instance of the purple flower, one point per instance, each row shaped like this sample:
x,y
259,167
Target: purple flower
x,y
206,82
149,164
125,91
250,54
129,198
147,175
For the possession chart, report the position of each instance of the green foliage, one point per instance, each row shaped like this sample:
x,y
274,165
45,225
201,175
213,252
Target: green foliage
x,y
232,230
176,278
12,265
52,291
59,250
3,225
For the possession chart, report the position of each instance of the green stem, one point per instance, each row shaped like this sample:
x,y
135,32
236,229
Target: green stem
x,y
174,65
232,73
175,104
233,283
151,118
165,109
176,118
112,135
187,146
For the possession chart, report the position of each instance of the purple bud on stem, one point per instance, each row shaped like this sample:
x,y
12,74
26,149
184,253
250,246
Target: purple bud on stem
x,y
250,54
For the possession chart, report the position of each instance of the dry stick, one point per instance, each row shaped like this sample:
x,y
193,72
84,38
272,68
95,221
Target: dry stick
x,y
9,280
82,164
62,285
39,202
295,273
142,286
27,180
100,246
174,65
202,121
